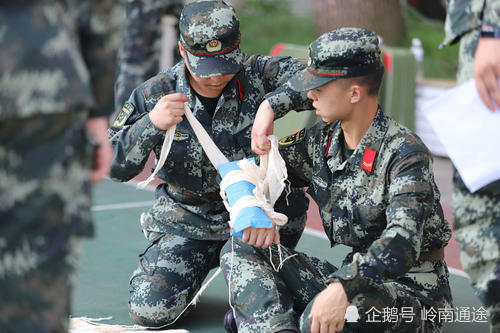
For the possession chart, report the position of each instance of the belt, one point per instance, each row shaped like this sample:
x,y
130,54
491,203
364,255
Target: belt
x,y
199,198
432,255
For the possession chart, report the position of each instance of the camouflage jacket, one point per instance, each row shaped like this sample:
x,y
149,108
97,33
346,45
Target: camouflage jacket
x,y
382,201
187,167
140,51
466,15
57,56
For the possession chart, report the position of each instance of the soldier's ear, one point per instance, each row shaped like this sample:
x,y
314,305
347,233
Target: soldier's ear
x,y
181,50
356,92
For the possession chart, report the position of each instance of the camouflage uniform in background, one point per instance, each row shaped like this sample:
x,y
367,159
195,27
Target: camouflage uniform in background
x,y
46,97
476,215
387,209
188,224
140,52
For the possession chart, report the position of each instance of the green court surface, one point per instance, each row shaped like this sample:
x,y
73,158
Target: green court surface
x,y
107,261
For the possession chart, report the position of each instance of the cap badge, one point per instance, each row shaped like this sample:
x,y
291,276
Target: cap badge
x,y
214,46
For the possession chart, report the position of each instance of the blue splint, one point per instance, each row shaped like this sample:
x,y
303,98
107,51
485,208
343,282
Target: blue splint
x,y
248,216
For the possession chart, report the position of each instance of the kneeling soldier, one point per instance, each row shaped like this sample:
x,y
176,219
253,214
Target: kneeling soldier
x,y
373,182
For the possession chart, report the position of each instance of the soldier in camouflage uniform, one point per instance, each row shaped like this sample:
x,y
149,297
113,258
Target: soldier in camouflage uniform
x,y
372,179
140,51
50,118
188,224
477,215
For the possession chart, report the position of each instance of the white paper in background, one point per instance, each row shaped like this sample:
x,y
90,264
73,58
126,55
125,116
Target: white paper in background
x,y
469,132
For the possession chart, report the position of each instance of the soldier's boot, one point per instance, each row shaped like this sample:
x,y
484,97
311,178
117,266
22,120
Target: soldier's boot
x,y
230,322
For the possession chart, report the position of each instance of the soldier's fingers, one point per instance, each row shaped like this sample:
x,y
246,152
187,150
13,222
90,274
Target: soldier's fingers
x,y
324,328
276,237
483,92
257,150
340,326
260,238
176,97
261,145
491,83
314,325
173,105
176,119
246,235
265,239
269,239
253,237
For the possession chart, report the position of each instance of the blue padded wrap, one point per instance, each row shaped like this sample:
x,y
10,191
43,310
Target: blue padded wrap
x,y
249,216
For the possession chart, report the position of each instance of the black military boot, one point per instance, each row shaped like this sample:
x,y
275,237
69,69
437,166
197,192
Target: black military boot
x,y
230,322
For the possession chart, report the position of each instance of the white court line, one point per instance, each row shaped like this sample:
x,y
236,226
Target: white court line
x,y
123,205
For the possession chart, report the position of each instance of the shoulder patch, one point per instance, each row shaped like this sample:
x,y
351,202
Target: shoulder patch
x,y
122,117
294,138
179,136
320,182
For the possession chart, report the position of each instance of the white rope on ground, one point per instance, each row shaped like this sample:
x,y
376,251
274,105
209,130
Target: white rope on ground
x,y
95,325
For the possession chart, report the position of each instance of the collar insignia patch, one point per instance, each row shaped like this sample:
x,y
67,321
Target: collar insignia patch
x,y
368,159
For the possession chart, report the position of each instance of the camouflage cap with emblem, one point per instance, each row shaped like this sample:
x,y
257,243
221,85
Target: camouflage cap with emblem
x,y
342,53
211,36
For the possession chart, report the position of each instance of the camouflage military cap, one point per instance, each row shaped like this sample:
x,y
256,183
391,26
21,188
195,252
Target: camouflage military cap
x,y
342,53
211,36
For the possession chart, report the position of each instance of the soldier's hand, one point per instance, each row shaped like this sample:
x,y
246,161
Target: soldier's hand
x,y
262,127
328,310
104,152
168,111
260,237
487,71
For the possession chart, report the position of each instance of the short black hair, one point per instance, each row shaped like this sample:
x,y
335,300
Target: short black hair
x,y
371,82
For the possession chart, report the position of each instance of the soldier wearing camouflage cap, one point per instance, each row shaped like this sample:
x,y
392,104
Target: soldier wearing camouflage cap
x,y
54,90
187,226
476,216
372,180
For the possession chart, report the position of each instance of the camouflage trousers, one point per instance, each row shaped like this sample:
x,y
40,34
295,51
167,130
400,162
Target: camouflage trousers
x,y
270,301
175,264
477,228
44,205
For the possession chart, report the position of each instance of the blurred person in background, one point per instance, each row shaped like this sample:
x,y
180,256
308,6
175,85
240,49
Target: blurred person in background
x,y
476,24
57,60
139,54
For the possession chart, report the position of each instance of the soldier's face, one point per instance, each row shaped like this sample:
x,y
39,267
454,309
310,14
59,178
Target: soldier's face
x,y
331,101
210,86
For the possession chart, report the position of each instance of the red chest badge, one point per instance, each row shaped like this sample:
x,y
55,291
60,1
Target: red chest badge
x,y
368,159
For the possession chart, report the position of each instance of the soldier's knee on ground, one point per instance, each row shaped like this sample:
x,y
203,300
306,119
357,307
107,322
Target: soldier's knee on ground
x,y
156,298
146,308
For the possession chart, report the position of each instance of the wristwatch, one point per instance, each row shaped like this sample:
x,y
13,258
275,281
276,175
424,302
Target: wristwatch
x,y
488,31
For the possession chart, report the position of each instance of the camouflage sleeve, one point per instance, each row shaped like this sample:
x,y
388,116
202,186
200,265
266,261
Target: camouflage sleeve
x,y
140,50
275,72
297,151
463,16
133,137
410,202
99,26
491,13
